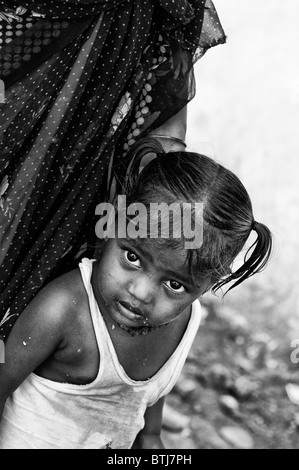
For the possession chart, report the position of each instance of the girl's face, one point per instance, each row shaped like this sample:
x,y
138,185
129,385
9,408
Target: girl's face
x,y
143,284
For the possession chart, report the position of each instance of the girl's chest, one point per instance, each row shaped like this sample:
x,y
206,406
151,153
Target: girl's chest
x,y
140,356
143,356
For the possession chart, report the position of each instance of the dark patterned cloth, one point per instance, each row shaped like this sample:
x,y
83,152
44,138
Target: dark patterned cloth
x,y
83,80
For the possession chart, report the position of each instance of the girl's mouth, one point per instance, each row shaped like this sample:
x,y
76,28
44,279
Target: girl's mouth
x,y
134,321
131,313
130,307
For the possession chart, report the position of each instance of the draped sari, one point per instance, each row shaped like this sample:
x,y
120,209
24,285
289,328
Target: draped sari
x,y
80,82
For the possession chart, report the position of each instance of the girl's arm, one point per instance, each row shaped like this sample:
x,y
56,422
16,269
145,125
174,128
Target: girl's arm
x,y
149,437
37,333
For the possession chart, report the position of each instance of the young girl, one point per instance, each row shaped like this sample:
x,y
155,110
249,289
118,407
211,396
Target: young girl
x,y
89,361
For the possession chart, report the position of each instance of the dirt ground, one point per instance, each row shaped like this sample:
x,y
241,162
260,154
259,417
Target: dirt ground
x,y
233,388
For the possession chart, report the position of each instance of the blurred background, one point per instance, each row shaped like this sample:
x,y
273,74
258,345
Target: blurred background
x,y
246,115
240,386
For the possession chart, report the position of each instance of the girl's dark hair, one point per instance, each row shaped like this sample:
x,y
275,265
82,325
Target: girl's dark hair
x,y
227,211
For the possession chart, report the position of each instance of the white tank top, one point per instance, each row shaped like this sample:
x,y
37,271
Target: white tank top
x,y
106,413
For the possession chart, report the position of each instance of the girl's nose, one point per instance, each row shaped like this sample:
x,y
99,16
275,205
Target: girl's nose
x,y
142,289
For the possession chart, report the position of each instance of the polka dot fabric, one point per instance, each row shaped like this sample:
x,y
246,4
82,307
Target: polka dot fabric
x,y
64,8
83,81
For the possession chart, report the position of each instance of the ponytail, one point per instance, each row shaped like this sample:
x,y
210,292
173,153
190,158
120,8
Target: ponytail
x,y
262,248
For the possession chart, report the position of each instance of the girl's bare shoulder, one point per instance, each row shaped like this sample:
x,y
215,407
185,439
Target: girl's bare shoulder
x,y
64,294
44,328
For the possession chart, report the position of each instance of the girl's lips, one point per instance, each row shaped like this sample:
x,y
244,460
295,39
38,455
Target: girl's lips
x,y
130,307
131,313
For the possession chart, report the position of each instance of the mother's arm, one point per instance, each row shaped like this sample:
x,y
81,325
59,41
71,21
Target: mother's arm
x,y
175,127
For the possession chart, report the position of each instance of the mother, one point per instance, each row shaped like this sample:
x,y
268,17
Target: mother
x,y
83,80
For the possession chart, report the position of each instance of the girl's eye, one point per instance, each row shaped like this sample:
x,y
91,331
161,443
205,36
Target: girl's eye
x,y
132,258
175,286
